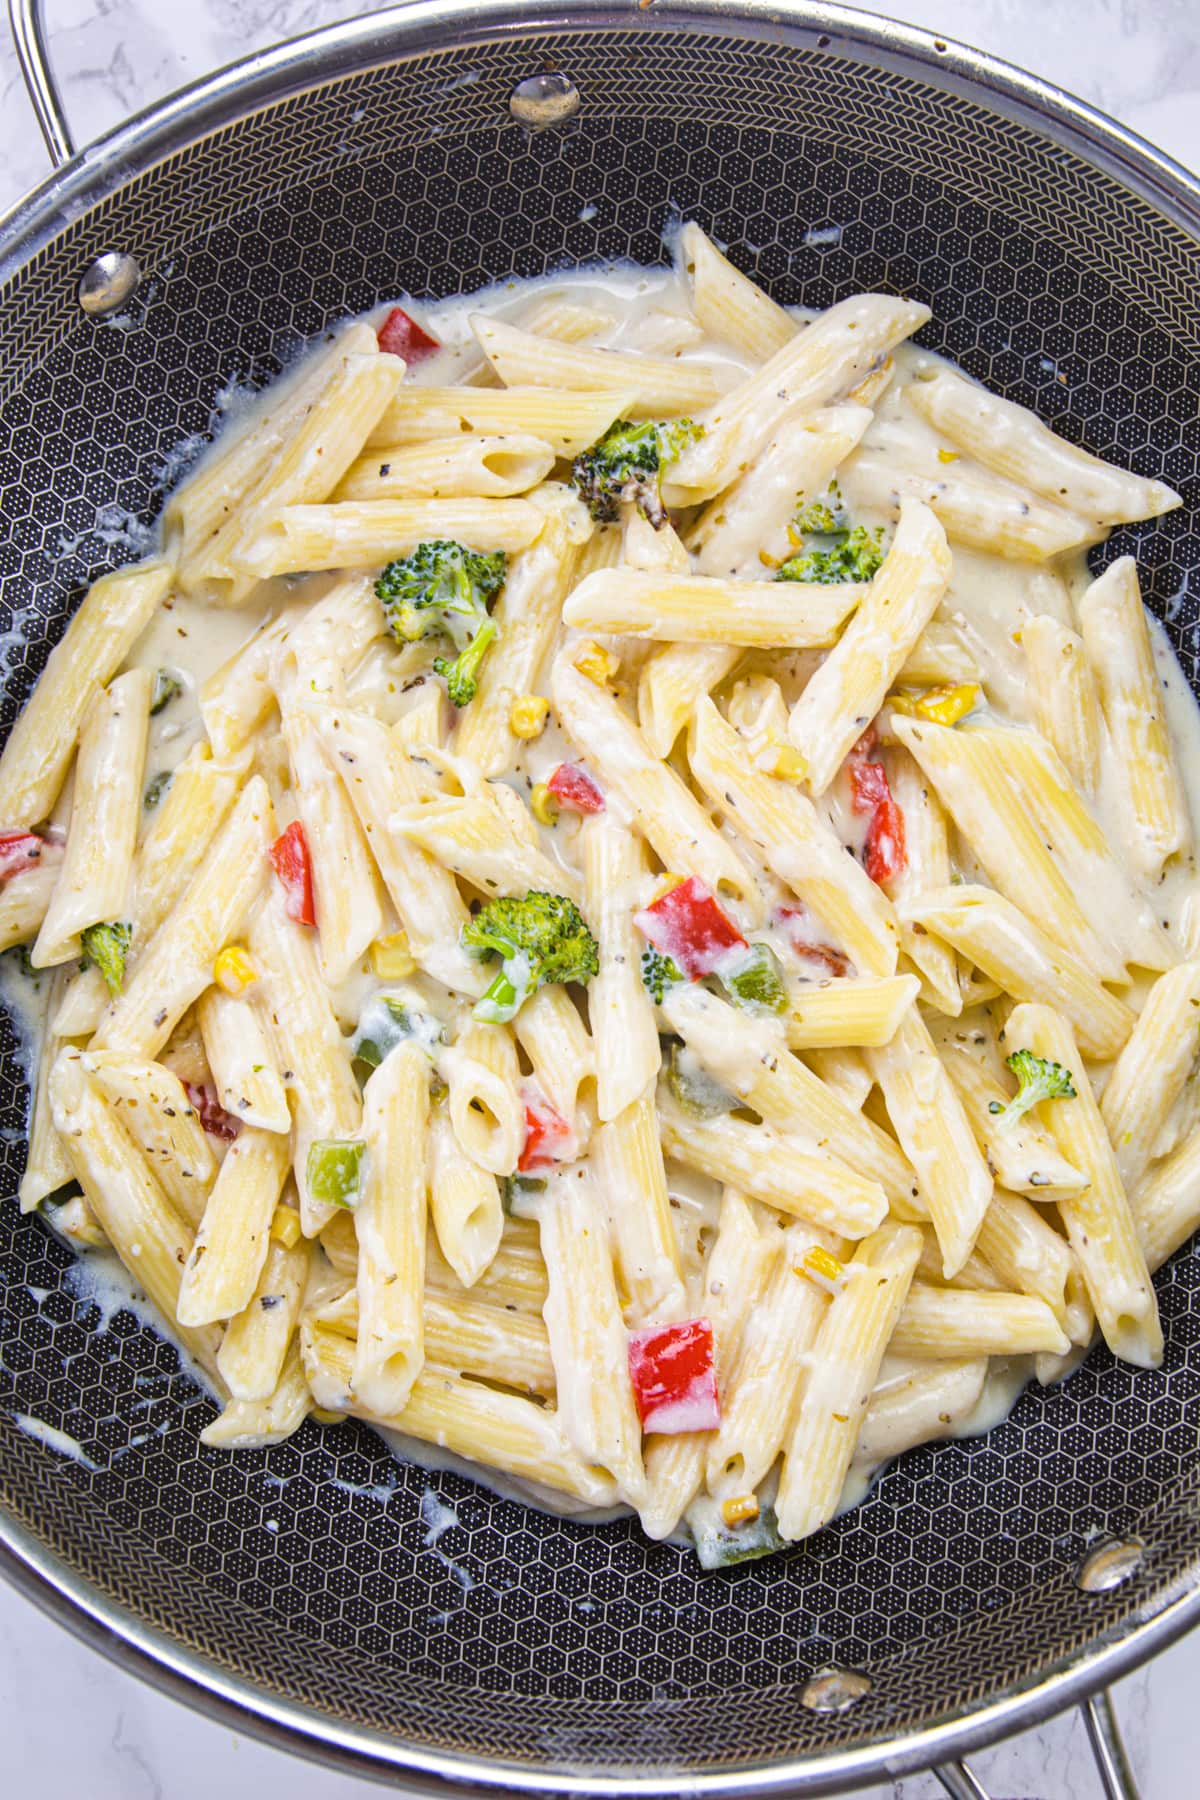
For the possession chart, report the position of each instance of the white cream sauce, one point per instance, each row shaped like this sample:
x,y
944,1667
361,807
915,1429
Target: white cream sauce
x,y
987,600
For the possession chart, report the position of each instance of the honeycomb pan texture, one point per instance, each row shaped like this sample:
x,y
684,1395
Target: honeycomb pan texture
x,y
307,1568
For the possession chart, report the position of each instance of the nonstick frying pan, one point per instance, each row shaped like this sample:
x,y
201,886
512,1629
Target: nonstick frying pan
x,y
431,149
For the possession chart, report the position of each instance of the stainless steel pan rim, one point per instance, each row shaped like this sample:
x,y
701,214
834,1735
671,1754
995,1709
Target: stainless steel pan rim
x,y
442,25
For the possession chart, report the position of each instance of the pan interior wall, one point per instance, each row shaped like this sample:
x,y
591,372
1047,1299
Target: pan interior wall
x,y
306,1567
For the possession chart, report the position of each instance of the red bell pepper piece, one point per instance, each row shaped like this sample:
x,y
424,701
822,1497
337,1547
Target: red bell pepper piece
x,y
884,853
575,789
212,1115
674,1377
798,924
687,925
400,335
549,1138
293,865
19,850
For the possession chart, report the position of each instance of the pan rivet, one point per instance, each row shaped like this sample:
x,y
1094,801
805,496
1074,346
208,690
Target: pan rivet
x,y
542,100
1108,1564
108,283
834,1690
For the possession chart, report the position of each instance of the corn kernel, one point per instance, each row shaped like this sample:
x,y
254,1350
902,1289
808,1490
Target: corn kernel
x,y
233,970
947,456
739,1509
940,705
285,1226
527,716
823,1269
543,804
391,958
947,705
789,764
598,664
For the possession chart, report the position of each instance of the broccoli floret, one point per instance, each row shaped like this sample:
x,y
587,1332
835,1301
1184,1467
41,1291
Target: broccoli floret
x,y
850,556
166,688
156,788
1037,1079
462,675
441,588
627,464
659,972
107,946
539,939
824,517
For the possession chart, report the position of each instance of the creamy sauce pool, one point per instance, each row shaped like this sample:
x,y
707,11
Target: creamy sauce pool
x,y
987,601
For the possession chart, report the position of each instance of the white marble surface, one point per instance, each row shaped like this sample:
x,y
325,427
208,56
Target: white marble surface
x,y
70,1723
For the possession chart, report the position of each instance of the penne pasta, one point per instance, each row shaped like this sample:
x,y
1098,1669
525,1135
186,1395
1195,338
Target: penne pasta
x,y
256,1341
1020,1154
786,1170
973,507
488,1112
749,1058
504,1431
674,679
751,526
839,1013
942,1322
656,384
227,1257
491,466
527,617
200,506
796,843
305,468
379,779
853,1335
696,609
114,613
390,1223
1119,652
851,683
665,811
464,1203
928,1118
1097,1217
158,1114
632,1185
93,877
1013,441
567,419
1149,1074
925,865
248,1082
586,1332
312,1055
1026,963
818,365
137,1218
353,534
176,965
624,1033
728,304
760,1399
994,820
1067,711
